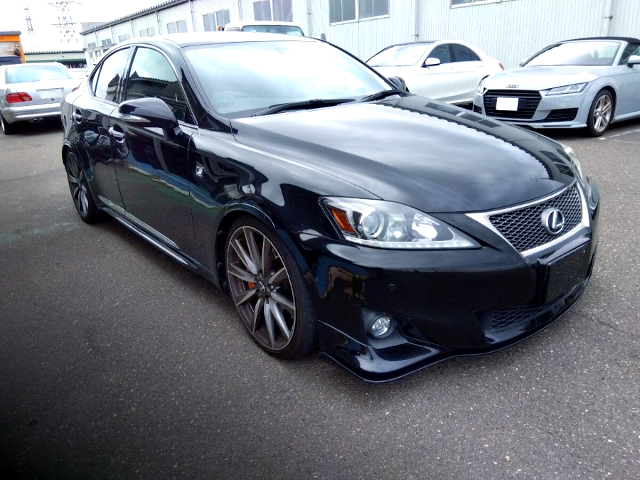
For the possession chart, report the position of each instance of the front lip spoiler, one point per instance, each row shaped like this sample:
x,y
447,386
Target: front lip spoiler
x,y
547,124
446,354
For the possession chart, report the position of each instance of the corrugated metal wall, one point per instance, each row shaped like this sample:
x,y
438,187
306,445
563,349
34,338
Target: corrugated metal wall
x,y
204,7
626,18
175,14
509,30
512,30
144,23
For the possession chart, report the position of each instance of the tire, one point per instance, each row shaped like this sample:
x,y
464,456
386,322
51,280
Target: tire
x,y
280,301
80,191
7,128
600,113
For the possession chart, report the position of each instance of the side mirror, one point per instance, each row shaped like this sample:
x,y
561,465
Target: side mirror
x,y
633,60
431,62
147,112
521,63
399,83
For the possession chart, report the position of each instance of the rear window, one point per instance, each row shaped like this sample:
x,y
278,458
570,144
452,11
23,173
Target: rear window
x,y
37,73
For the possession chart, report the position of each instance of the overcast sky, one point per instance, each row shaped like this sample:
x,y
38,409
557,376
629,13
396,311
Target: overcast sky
x,y
43,15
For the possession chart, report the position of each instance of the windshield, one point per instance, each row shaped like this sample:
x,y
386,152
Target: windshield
x,y
399,56
578,54
286,29
37,73
240,79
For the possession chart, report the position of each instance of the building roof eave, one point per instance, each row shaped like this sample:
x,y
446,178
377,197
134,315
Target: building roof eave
x,y
161,6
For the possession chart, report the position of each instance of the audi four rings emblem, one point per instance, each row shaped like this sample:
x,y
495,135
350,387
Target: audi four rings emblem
x,y
553,220
513,86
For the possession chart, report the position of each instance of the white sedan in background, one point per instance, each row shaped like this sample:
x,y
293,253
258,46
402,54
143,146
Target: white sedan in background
x,y
443,70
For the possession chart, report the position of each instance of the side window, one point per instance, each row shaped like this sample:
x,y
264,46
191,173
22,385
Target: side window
x,y
110,74
463,54
631,49
151,75
94,81
442,53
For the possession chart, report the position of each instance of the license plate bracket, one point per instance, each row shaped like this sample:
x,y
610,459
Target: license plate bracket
x,y
51,94
508,104
562,274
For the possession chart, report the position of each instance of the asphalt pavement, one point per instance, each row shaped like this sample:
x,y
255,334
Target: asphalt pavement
x,y
115,362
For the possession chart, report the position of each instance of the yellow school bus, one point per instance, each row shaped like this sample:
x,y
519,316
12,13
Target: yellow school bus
x,y
11,50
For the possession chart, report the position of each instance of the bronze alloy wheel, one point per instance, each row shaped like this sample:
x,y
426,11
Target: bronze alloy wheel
x,y
77,185
261,288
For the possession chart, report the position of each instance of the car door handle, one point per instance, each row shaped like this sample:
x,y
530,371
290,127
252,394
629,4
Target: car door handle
x,y
116,134
77,117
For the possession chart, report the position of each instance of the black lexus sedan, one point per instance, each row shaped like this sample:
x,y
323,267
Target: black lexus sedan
x,y
385,229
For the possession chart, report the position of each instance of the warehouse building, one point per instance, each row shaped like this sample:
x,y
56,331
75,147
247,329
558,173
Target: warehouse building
x,y
508,30
70,58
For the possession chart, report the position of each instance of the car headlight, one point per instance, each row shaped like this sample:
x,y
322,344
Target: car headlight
x,y
382,224
571,153
575,88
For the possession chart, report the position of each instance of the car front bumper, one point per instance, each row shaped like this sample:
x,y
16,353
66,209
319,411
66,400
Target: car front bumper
x,y
444,303
548,104
25,113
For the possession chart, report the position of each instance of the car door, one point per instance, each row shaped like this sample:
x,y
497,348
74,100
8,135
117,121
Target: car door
x,y
152,164
467,68
91,118
629,95
437,81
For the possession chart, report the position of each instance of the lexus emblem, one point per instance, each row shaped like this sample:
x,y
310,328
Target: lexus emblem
x,y
553,221
513,86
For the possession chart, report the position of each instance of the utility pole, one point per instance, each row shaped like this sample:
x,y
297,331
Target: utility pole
x,y
65,23
27,18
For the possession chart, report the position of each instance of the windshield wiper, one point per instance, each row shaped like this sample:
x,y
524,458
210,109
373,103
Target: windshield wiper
x,y
315,103
382,94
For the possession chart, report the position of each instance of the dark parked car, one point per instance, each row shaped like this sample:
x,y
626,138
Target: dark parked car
x,y
387,230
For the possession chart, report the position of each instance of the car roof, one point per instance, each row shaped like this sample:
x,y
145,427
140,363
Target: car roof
x,y
205,38
261,22
27,65
421,42
619,39
430,42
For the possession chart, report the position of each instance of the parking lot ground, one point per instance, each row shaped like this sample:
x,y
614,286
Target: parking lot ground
x,y
115,362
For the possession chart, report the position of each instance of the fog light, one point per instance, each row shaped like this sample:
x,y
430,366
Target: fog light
x,y
380,327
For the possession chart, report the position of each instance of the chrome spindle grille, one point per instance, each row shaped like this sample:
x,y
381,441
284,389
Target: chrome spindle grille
x,y
523,228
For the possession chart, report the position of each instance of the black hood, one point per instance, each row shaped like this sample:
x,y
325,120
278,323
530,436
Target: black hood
x,y
416,151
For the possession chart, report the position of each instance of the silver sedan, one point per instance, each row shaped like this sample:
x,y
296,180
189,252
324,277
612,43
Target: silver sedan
x,y
32,92
585,83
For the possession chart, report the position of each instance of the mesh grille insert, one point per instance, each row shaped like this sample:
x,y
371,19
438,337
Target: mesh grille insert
x,y
523,228
518,316
528,101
